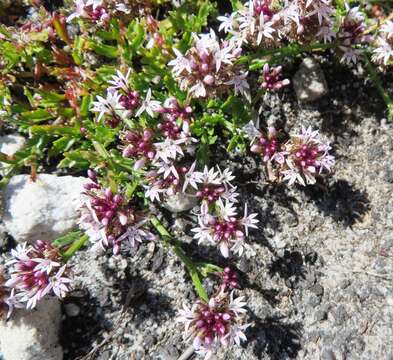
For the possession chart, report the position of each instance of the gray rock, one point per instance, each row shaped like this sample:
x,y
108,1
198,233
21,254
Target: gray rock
x,y
72,309
10,144
44,209
180,202
309,81
32,335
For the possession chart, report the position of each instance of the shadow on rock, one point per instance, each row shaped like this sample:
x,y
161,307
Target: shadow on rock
x,y
340,200
290,267
276,338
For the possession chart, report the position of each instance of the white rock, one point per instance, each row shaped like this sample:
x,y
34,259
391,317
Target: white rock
x,y
180,202
309,81
10,144
32,335
44,209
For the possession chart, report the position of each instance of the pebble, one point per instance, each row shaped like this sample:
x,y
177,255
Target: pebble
x,y
72,310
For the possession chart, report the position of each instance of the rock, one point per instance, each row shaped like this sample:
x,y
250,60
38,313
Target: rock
x,y
44,209
32,335
180,202
309,81
72,309
10,144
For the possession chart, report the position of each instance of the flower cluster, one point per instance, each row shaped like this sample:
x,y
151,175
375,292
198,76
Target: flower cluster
x,y
383,52
122,101
350,34
297,160
218,322
36,271
260,22
109,220
101,11
209,68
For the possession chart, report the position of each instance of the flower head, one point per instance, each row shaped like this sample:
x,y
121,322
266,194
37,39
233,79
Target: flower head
x,y
225,229
208,67
218,322
272,78
37,271
109,220
307,156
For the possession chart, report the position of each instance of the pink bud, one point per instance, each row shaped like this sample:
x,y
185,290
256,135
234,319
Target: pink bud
x,y
209,80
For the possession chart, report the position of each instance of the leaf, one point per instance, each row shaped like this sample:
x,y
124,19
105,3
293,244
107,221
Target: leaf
x,y
67,239
108,51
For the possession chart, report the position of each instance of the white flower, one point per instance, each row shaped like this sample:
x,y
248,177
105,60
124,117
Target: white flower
x,y
251,131
241,85
350,55
248,220
326,33
180,64
384,52
226,22
149,106
107,105
169,149
226,210
387,28
153,193
120,81
191,177
79,10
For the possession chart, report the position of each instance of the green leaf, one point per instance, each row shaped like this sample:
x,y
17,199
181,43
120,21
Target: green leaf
x,y
108,51
67,239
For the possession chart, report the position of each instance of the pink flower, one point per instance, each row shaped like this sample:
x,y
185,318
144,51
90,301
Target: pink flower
x,y
272,78
109,220
225,229
37,271
219,322
308,156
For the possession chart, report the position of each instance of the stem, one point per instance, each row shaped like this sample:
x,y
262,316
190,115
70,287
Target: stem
x,y
75,247
378,84
290,50
176,246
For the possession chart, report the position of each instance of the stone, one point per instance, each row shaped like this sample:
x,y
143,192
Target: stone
x,y
180,202
44,209
34,334
10,144
309,81
72,310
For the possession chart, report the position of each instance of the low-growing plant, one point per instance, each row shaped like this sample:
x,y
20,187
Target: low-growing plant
x,y
136,94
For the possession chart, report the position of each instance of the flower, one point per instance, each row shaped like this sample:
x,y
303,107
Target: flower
x,y
224,229
383,54
167,180
37,271
138,145
218,322
109,220
267,145
208,66
307,156
272,78
120,81
149,106
229,279
168,149
108,105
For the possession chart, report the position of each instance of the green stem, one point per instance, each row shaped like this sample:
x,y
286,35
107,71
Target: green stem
x,y
176,246
378,84
75,247
290,50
